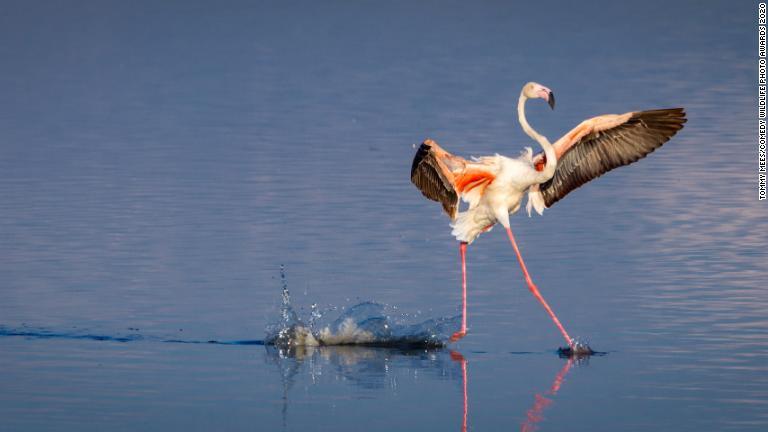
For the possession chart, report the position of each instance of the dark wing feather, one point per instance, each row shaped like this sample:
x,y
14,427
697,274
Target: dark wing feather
x,y
428,175
601,151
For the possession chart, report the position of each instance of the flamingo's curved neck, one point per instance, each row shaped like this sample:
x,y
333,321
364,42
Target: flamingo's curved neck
x,y
549,151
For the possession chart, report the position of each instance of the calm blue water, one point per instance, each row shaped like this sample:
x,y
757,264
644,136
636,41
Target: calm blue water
x,y
159,162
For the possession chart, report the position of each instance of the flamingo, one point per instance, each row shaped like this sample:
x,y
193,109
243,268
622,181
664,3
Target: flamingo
x,y
493,186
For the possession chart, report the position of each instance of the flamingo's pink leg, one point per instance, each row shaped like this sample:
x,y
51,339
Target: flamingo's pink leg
x,y
463,332
535,291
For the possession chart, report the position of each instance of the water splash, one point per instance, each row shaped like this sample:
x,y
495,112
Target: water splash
x,y
578,348
367,323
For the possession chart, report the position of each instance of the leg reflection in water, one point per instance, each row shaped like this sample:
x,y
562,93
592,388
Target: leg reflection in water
x,y
534,414
457,357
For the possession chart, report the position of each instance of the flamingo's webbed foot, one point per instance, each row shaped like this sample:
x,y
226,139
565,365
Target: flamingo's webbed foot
x,y
458,335
576,348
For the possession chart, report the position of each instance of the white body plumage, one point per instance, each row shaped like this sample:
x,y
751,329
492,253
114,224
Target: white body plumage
x,y
513,177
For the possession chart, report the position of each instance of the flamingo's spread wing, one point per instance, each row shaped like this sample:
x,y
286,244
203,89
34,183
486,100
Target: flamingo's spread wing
x,y
443,177
603,143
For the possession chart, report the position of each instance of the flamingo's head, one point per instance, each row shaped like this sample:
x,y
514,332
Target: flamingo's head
x,y
534,90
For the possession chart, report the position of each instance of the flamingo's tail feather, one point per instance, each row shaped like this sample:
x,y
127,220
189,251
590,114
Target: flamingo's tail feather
x,y
535,200
469,224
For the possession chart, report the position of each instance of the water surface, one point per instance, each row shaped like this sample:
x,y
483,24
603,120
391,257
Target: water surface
x,y
159,162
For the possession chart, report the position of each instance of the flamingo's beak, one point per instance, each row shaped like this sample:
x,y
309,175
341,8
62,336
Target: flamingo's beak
x,y
547,95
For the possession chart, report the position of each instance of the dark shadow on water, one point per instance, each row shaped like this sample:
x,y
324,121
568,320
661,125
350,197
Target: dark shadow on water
x,y
567,353
74,333
216,342
564,354
83,334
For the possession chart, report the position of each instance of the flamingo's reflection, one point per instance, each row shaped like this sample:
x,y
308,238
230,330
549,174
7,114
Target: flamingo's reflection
x,y
534,415
457,357
364,367
368,367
